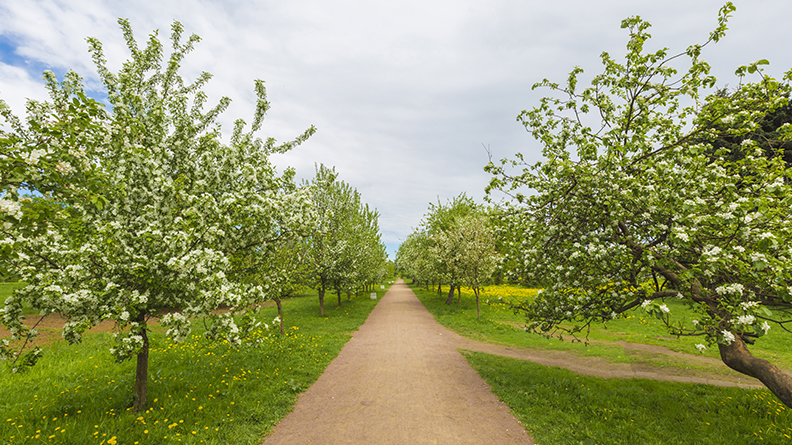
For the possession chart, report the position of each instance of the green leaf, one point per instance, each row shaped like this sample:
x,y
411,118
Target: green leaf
x,y
764,311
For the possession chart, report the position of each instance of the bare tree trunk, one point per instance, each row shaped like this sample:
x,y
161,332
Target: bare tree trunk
x,y
338,293
439,287
478,308
141,372
737,357
321,300
280,313
450,298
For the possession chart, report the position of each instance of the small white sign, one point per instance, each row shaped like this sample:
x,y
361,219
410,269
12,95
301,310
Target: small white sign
x,y
382,286
373,295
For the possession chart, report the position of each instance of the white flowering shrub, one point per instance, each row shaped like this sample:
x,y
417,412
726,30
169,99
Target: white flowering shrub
x,y
635,204
180,209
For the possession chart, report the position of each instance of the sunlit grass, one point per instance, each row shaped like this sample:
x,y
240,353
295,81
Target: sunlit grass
x,y
561,407
198,391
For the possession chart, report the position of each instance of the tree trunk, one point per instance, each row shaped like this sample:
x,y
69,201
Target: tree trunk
x,y
439,288
478,308
280,314
141,372
737,357
450,298
349,295
321,300
338,293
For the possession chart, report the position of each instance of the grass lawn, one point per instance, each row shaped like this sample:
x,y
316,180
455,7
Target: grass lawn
x,y
7,288
198,391
5,291
558,406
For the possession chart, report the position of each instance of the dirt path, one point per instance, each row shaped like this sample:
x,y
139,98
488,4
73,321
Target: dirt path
x,y
50,327
600,367
399,380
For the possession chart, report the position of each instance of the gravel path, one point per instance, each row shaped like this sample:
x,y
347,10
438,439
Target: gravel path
x,y
399,380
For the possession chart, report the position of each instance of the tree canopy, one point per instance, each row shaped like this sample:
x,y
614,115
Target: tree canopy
x,y
638,201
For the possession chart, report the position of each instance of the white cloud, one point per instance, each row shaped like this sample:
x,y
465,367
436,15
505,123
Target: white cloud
x,y
16,86
403,93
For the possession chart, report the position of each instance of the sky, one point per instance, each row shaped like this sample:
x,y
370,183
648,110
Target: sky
x,y
405,95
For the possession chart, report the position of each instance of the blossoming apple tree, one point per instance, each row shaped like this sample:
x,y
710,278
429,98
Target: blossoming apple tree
x,y
344,249
412,260
181,208
455,244
439,221
468,250
634,204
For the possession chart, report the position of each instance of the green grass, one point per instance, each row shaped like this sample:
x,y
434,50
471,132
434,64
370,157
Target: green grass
x,y
198,391
499,324
6,289
561,407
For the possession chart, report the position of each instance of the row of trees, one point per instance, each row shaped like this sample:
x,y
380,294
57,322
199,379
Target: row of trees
x,y
455,245
143,212
345,251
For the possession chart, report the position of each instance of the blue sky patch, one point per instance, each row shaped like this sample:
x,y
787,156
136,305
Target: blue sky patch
x,y
9,56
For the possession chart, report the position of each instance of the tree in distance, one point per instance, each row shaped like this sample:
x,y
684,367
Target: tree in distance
x,y
454,244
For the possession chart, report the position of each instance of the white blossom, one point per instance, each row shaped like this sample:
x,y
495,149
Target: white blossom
x,y
730,289
11,207
728,337
745,320
765,327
